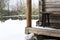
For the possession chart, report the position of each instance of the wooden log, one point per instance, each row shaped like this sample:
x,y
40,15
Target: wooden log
x,y
28,13
47,32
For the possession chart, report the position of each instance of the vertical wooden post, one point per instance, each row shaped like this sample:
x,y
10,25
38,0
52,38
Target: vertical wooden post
x,y
43,5
39,10
43,13
29,13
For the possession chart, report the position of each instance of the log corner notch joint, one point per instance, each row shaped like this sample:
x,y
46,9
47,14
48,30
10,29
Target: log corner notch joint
x,y
29,11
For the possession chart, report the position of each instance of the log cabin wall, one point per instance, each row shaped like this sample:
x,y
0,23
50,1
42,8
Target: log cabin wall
x,y
54,8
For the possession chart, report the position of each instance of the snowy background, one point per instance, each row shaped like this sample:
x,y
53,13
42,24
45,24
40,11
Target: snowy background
x,y
13,29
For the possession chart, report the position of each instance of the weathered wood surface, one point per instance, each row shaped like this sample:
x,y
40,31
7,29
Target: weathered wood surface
x,y
38,31
29,13
58,13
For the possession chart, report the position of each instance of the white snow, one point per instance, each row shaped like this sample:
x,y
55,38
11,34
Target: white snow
x,y
30,36
34,26
12,30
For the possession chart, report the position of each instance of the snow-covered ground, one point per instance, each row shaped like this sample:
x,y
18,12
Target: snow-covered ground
x,y
13,29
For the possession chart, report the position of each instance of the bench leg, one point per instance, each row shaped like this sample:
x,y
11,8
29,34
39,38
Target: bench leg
x,y
48,20
43,20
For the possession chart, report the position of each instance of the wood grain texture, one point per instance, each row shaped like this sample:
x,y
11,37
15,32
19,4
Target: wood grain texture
x,y
28,13
38,31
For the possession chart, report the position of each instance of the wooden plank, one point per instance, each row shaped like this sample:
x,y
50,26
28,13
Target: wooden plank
x,y
51,13
38,31
55,13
